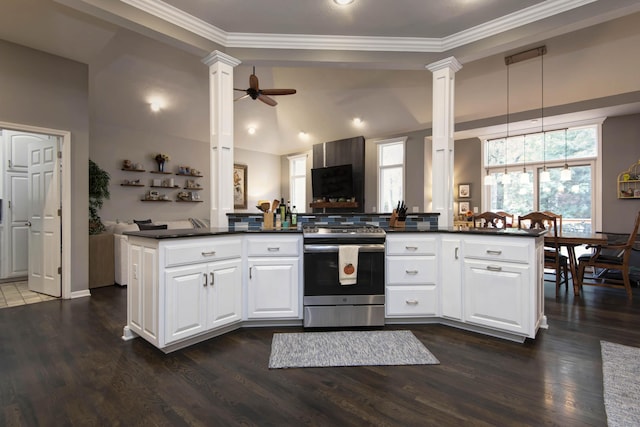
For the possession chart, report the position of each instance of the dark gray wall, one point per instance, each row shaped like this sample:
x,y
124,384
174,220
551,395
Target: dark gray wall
x,y
620,150
44,90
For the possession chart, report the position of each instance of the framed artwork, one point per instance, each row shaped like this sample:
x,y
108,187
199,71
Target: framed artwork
x,y
464,191
240,186
463,208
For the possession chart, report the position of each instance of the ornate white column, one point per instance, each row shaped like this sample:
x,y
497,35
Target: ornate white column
x,y
221,68
442,138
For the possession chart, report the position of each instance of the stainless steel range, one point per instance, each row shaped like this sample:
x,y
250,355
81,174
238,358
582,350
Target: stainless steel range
x,y
329,301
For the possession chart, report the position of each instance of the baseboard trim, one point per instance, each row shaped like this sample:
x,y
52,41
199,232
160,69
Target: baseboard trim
x,y
80,294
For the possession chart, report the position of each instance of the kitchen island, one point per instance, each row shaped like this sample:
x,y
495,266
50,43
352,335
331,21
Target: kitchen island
x,y
186,286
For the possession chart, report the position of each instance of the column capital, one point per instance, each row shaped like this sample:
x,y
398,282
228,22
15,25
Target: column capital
x,y
450,63
217,56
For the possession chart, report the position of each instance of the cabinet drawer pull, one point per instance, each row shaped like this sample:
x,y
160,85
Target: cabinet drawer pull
x,y
412,272
211,253
212,276
494,252
412,302
411,248
456,253
493,268
273,249
205,280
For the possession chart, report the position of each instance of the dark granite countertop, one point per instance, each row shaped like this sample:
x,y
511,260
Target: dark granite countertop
x,y
203,232
513,232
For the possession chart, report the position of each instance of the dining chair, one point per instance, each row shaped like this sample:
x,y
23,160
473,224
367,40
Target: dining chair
x,y
553,259
610,256
558,219
509,218
489,220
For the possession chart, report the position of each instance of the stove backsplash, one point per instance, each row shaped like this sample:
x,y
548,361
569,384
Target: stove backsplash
x,y
414,221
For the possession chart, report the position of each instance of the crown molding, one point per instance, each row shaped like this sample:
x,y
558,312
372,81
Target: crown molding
x,y
173,15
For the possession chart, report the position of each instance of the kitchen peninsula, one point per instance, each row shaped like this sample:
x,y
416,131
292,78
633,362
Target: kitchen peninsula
x,y
186,286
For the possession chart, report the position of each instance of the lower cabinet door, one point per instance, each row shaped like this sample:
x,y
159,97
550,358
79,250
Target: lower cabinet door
x,y
224,293
497,296
411,301
273,288
185,302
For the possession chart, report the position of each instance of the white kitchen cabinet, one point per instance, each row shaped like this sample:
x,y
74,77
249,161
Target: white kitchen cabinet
x,y
411,276
182,288
201,297
451,277
502,289
274,277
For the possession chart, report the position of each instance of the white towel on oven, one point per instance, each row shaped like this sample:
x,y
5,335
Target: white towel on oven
x,y
347,255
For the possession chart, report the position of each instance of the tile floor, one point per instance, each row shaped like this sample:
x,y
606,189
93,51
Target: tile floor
x,y
17,293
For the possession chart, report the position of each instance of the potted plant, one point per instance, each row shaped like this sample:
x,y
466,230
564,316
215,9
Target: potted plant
x,y
98,191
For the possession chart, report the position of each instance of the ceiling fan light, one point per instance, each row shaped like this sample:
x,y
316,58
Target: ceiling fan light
x,y
565,175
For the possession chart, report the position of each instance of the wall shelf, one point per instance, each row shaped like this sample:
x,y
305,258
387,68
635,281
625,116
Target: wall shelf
x,y
188,174
192,188
151,200
164,186
189,201
629,182
161,173
132,185
133,170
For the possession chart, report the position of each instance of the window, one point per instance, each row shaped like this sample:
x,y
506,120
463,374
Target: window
x,y
298,182
530,154
390,173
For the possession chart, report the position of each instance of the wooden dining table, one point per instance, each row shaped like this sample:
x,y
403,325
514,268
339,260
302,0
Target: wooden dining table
x,y
571,239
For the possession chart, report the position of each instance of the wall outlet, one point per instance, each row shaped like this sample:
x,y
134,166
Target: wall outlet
x,y
475,209
415,209
135,271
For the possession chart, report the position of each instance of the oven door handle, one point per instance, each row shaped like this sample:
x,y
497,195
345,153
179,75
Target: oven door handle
x,y
334,248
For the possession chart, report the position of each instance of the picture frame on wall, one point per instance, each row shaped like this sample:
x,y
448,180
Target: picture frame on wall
x,y
463,207
240,186
464,191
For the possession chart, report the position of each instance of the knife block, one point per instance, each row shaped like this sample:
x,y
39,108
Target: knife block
x,y
393,221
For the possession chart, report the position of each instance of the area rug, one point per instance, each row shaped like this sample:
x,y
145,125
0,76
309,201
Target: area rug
x,y
348,348
621,381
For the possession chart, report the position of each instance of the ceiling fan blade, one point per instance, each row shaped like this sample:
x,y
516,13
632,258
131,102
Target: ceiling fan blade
x,y
253,81
267,100
278,91
241,90
242,97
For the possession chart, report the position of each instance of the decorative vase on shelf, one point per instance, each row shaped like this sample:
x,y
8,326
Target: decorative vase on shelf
x,y
161,165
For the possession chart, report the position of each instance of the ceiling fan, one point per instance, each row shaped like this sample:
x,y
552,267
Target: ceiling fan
x,y
262,94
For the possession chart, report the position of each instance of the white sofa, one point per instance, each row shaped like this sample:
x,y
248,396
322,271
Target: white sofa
x,y
120,253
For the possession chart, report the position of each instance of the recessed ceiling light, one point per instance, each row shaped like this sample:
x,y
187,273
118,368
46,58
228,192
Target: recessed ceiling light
x,y
251,130
303,134
343,2
357,121
155,107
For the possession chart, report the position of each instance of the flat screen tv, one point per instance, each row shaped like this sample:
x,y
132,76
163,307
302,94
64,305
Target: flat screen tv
x,y
332,181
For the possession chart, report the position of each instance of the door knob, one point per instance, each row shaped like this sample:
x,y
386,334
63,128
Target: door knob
x,y
28,223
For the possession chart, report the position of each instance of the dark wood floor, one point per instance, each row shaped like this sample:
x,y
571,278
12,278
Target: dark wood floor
x,y
63,363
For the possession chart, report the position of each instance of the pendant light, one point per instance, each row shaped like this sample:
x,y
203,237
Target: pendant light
x,y
489,179
524,177
565,175
506,179
545,176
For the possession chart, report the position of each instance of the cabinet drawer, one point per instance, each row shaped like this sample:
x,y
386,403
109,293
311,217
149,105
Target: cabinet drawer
x,y
411,301
502,251
411,270
282,246
205,250
411,245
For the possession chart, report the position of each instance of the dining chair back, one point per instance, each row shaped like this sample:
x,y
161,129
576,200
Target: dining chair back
x,y
509,218
558,219
553,258
489,220
610,256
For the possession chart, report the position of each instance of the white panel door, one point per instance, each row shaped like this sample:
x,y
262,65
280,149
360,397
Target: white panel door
x,y
17,148
17,258
44,202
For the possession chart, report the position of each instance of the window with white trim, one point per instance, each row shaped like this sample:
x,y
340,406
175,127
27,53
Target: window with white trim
x,y
298,182
390,173
517,165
